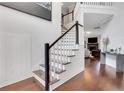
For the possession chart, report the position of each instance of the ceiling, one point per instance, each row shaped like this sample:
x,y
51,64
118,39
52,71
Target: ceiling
x,y
93,21
66,6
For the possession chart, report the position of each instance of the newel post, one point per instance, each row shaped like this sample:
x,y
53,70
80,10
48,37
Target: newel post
x,y
77,33
47,67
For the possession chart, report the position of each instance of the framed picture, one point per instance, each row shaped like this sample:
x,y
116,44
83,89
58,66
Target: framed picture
x,y
39,9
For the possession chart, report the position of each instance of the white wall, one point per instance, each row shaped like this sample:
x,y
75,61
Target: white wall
x,y
114,29
47,33
22,39
98,9
79,16
15,57
66,19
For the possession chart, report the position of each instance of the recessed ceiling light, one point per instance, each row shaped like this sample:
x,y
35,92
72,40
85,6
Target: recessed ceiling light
x,y
88,32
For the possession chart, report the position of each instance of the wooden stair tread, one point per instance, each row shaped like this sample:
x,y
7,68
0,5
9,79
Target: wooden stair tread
x,y
59,71
41,75
71,55
66,63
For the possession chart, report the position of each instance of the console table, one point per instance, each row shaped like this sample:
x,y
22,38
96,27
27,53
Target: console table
x,y
114,60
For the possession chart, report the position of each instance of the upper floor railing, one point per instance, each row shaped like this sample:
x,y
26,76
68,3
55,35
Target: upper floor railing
x,y
107,4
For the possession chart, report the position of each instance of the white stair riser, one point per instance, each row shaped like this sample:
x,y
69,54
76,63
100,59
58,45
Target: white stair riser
x,y
66,47
63,52
67,43
58,65
60,58
39,79
52,73
69,37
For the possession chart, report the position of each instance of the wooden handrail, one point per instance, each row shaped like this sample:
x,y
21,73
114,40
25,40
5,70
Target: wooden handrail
x,y
64,34
66,14
80,25
69,12
72,12
61,36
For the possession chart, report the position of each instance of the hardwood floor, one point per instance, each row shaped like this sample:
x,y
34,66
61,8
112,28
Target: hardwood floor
x,y
25,85
95,77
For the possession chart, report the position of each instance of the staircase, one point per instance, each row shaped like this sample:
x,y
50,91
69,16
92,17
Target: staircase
x,y
60,64
58,57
